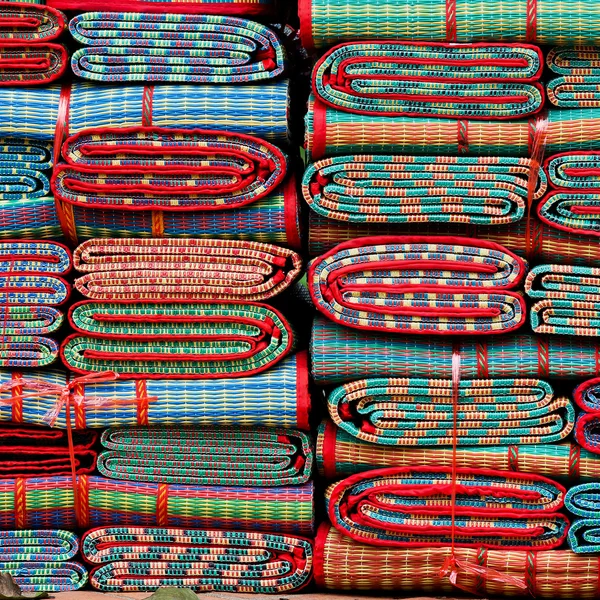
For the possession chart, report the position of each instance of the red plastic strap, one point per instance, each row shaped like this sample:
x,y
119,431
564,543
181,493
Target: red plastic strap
x,y
482,360
482,556
451,20
61,131
82,505
319,141
513,458
147,105
329,459
158,224
20,503
531,31
141,390
543,357
575,461
16,398
162,505
463,136
530,572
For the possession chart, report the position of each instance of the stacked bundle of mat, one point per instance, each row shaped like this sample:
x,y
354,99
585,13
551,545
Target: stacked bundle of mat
x,y
584,501
40,560
587,426
478,81
419,285
343,564
187,269
277,397
49,502
417,505
340,454
200,340
31,289
142,559
420,412
567,299
207,456
175,48
412,189
578,81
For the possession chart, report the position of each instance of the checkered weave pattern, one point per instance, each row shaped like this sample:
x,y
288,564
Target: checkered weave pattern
x,y
136,559
579,82
207,456
419,285
412,506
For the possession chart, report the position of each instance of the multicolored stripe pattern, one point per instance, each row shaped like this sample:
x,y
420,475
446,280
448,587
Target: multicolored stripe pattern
x,y
579,81
38,545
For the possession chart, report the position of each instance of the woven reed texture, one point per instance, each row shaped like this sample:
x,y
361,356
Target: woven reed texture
x,y
561,22
143,559
579,81
38,545
164,341
37,64
35,218
207,456
46,576
340,454
343,564
25,23
277,397
413,189
419,285
410,506
48,503
419,412
177,48
133,269
27,451
478,81
338,356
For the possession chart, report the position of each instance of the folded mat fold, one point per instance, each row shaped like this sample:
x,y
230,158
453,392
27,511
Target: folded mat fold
x,y
577,212
277,397
340,454
343,564
46,576
420,412
478,81
419,285
584,500
38,545
587,395
37,64
338,355
163,341
584,536
413,189
182,48
34,257
409,506
26,22
207,456
189,269
48,502
31,351
587,431
579,81
144,559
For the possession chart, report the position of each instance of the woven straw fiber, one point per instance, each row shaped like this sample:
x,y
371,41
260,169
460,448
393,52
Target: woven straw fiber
x,y
419,412
26,22
143,559
207,456
340,454
343,564
397,78
579,81
31,65
410,285
48,503
410,506
277,397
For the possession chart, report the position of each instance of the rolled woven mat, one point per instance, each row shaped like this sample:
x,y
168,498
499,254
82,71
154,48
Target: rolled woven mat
x,y
343,564
579,81
419,285
188,269
48,502
413,189
38,545
46,576
338,356
478,81
410,506
340,454
26,23
143,559
170,341
277,397
207,456
182,48
333,132
38,64
543,22
419,412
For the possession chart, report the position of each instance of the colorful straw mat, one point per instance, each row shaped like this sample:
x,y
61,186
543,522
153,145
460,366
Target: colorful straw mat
x,y
340,454
413,506
544,21
207,456
23,23
170,341
419,285
579,81
477,81
413,189
333,132
584,536
277,397
343,564
587,395
182,48
141,559
420,412
27,451
338,356
46,576
48,502
583,501
190,269
31,65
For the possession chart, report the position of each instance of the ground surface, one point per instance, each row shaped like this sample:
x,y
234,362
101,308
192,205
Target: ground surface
x,y
89,595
